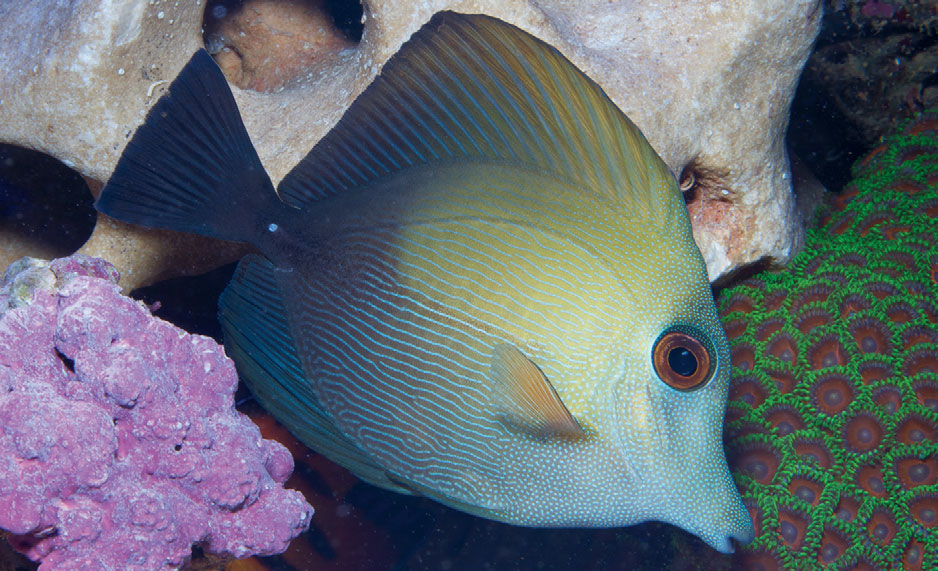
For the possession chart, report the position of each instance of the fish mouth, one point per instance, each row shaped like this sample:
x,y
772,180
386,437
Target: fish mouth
x,y
731,524
726,543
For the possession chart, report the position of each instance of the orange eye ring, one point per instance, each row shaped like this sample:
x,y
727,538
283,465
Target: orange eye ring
x,y
681,360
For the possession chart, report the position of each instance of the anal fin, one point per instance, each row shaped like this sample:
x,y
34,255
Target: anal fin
x,y
258,339
486,509
528,400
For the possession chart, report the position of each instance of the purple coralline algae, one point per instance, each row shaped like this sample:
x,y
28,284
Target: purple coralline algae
x,y
120,447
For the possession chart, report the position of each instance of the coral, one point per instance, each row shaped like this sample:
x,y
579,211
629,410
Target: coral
x,y
712,101
120,446
832,425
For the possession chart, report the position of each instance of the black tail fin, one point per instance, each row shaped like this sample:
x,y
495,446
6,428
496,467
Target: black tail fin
x,y
191,166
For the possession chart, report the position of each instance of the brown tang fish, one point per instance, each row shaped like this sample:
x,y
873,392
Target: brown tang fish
x,y
481,286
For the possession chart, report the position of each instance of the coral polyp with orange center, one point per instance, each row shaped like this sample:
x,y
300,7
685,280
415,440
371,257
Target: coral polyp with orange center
x,y
875,369
807,488
863,433
793,527
757,460
741,301
833,544
784,381
870,480
774,299
900,312
838,447
921,360
814,293
889,398
926,391
853,303
917,428
744,356
827,352
813,450
847,508
749,390
811,319
871,335
882,526
924,508
783,348
785,419
832,393
769,327
913,556
914,472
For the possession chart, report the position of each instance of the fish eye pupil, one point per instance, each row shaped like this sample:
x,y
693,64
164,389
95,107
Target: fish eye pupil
x,y
682,358
682,361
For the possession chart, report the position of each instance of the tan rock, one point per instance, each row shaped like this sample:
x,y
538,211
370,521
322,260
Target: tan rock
x,y
275,44
709,83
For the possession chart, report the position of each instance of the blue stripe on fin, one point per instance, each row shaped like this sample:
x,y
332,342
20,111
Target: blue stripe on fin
x,y
258,339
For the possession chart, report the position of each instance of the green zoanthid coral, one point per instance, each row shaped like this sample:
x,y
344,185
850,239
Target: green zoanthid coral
x,y
832,425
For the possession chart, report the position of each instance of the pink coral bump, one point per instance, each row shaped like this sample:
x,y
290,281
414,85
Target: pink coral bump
x,y
120,447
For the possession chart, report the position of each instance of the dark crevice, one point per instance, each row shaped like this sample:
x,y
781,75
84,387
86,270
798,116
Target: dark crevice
x,y
43,203
191,302
742,274
69,363
347,17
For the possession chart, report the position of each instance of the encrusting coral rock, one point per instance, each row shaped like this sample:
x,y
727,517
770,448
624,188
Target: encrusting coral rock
x,y
832,426
709,83
120,446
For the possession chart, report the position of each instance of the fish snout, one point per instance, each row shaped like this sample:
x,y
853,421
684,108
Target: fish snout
x,y
716,516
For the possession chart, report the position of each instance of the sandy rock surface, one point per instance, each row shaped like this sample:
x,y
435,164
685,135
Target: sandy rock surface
x,y
709,83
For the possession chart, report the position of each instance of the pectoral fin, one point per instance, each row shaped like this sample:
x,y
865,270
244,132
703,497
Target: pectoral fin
x,y
529,402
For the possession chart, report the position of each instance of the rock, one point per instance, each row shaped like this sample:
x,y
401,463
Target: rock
x,y
709,84
121,447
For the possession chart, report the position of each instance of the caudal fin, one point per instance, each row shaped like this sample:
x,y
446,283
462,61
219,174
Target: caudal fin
x,y
191,166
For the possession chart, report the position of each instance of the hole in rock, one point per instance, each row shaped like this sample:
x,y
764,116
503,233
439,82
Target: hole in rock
x,y
701,183
271,45
46,209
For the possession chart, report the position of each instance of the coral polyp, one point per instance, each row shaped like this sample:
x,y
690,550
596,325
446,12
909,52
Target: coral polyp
x,y
832,426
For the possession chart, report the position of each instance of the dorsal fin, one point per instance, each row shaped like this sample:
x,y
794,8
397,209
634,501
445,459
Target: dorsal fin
x,y
471,87
527,398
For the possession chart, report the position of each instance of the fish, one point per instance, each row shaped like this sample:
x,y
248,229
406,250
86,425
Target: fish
x,y
481,286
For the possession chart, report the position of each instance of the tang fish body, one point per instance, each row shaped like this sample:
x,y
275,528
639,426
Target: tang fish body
x,y
481,286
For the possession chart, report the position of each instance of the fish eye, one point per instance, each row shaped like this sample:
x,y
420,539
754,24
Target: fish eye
x,y
681,357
